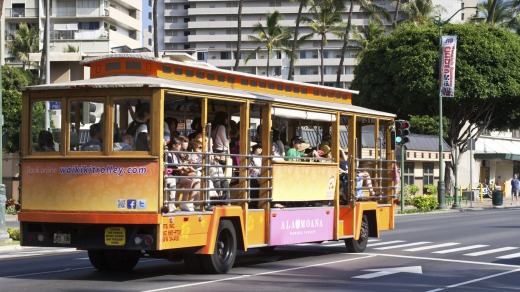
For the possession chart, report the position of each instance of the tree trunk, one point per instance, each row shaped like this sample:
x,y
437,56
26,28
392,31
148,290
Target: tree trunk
x,y
396,14
295,41
321,59
268,57
491,11
344,47
155,32
239,35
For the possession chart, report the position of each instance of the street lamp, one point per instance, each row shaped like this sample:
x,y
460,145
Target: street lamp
x,y
441,187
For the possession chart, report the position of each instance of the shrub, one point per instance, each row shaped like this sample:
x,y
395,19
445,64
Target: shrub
x,y
431,189
14,233
411,190
425,203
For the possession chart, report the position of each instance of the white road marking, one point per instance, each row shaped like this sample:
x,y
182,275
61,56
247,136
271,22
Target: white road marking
x,y
509,256
259,274
385,243
432,246
403,245
479,253
460,248
475,280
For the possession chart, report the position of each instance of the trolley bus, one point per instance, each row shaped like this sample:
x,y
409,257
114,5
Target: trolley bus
x,y
89,182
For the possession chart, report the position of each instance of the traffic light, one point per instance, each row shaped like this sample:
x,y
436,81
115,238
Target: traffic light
x,y
402,130
84,110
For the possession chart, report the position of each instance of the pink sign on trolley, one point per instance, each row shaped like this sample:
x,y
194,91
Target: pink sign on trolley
x,y
297,226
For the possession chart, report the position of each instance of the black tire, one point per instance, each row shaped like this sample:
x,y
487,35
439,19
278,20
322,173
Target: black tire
x,y
223,257
193,263
122,260
360,244
98,260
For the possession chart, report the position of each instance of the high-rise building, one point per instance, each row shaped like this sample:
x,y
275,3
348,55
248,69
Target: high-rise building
x,y
208,30
86,26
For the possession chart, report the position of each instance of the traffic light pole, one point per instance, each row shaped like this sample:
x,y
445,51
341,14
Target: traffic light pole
x,y
402,178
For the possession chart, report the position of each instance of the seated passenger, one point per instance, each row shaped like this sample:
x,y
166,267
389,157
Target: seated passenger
x,y
256,162
96,139
363,180
295,151
192,177
45,141
122,143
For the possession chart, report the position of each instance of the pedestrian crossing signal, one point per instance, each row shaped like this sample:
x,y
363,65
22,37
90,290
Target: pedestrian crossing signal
x,y
402,130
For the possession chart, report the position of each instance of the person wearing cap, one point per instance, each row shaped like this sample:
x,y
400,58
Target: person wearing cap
x,y
296,148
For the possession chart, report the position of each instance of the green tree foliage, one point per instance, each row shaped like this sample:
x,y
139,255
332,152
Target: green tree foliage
x,y
428,125
13,79
400,73
273,37
326,20
25,41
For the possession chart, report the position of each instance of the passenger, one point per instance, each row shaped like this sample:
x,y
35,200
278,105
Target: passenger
x,y
196,126
184,143
96,139
123,142
142,138
220,132
255,171
192,174
173,169
172,126
142,114
278,147
295,151
363,180
325,153
45,141
218,180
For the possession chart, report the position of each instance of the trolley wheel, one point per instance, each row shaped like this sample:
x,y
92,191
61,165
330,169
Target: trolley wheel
x,y
360,244
98,260
223,257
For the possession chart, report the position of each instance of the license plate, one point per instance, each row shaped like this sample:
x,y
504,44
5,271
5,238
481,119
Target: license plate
x,y
62,238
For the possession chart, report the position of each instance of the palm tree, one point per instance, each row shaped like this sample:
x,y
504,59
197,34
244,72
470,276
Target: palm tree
x,y
368,8
303,4
421,11
239,35
155,32
396,13
273,36
71,49
25,42
367,34
499,12
328,20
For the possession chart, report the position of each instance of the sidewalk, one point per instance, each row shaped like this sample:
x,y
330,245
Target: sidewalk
x,y
470,206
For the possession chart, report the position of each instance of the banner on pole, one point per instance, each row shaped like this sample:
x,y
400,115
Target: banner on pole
x,y
449,45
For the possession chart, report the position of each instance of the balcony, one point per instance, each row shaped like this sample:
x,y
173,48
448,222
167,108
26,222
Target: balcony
x,y
78,34
21,12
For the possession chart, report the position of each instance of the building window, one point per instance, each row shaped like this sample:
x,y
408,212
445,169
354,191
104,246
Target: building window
x,y
225,55
408,174
427,175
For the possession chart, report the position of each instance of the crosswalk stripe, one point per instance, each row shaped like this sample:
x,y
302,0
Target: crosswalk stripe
x,y
510,256
432,246
402,245
460,248
479,253
385,243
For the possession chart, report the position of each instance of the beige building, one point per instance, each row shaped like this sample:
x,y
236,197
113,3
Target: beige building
x,y
88,27
208,30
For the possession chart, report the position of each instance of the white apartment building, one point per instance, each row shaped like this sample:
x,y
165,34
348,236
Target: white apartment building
x,y
208,30
90,26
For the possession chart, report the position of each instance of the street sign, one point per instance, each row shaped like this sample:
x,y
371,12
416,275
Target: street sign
x,y
390,271
54,105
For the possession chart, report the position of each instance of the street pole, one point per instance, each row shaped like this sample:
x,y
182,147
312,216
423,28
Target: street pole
x,y
402,178
441,189
47,61
4,236
441,185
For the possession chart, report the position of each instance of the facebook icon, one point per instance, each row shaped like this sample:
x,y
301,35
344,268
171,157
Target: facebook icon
x,y
131,204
